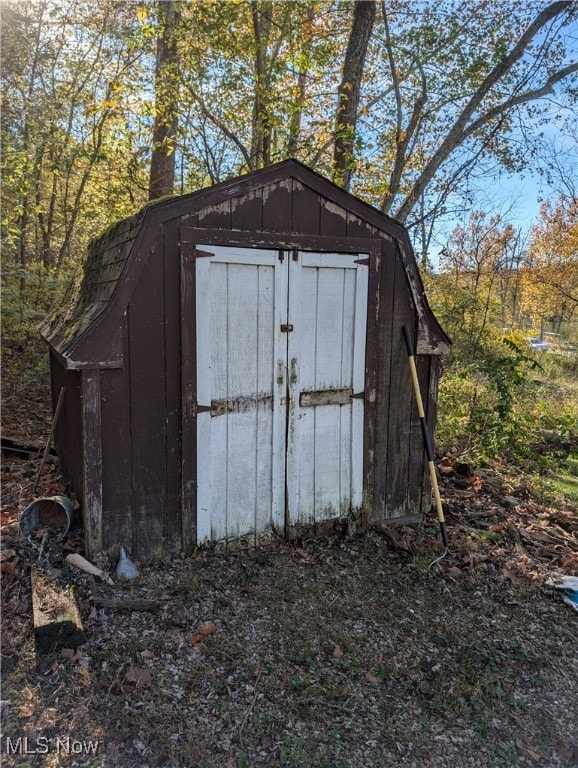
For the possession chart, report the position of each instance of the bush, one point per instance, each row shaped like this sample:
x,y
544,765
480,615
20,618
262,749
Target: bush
x,y
498,405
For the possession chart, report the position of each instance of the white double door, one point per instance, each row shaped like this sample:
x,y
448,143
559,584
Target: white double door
x,y
280,379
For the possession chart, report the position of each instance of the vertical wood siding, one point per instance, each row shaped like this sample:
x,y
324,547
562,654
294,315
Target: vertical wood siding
x,y
68,431
172,532
92,460
148,433
117,496
147,466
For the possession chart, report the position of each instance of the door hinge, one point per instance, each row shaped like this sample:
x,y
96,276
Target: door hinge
x,y
295,254
281,256
286,328
201,409
363,262
358,396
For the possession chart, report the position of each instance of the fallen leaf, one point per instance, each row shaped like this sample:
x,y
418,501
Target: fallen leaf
x,y
306,557
337,652
509,575
147,654
9,567
453,570
201,634
7,554
372,678
446,465
475,482
567,750
473,559
139,675
67,653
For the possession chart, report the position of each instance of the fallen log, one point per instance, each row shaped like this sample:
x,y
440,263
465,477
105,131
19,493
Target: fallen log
x,y
57,622
126,604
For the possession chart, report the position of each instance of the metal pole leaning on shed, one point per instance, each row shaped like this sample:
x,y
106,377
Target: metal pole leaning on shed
x,y
426,437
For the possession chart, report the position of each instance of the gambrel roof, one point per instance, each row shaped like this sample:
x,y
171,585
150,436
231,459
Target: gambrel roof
x,y
77,328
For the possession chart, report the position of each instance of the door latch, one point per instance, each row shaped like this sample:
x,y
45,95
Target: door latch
x,y
286,328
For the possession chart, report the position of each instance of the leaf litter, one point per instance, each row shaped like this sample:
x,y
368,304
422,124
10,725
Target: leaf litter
x,y
326,652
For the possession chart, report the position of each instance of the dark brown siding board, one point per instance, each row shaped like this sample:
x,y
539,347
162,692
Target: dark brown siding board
x,y
247,211
278,206
372,360
417,458
203,236
333,219
430,405
306,210
103,345
116,459
63,427
217,216
189,387
73,384
383,384
357,227
147,398
400,400
272,175
92,461
173,364
190,220
68,431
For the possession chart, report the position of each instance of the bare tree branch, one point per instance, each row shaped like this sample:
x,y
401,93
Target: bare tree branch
x,y
455,135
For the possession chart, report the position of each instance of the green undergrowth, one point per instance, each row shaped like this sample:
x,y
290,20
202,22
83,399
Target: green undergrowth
x,y
563,483
508,404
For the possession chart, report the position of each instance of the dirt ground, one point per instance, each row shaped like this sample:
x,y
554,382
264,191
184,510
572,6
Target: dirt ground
x,y
330,652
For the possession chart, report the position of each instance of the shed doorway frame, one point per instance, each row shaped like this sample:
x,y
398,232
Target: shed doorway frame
x,y
192,241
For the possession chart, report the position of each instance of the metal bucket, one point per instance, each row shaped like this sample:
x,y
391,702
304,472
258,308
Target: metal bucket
x,y
54,512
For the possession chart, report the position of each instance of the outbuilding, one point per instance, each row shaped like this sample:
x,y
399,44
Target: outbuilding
x,y
234,368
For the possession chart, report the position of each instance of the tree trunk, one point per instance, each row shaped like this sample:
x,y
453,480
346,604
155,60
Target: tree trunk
x,y
261,134
301,90
349,90
162,173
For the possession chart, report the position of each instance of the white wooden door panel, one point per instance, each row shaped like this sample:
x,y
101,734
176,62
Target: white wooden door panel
x,y
279,425
280,351
236,351
327,306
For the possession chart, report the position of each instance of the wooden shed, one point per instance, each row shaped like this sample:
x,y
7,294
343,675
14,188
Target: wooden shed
x,y
234,367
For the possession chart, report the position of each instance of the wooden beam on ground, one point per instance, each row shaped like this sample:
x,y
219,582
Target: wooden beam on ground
x,y
57,622
126,604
